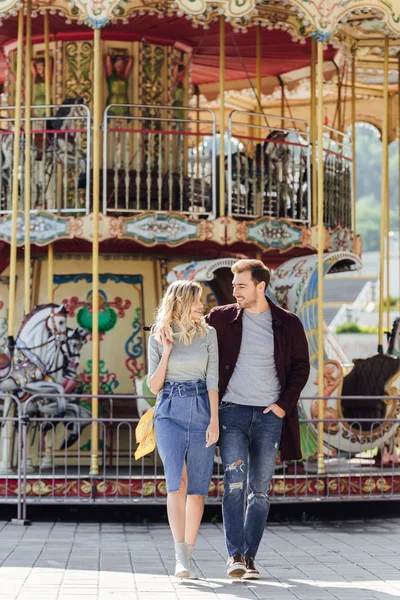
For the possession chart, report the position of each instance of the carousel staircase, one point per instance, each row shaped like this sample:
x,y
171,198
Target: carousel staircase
x,y
346,298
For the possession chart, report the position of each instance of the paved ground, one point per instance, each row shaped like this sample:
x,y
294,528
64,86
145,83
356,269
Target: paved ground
x,y
47,561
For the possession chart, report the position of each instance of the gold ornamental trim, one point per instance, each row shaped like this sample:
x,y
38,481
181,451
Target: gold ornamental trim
x,y
322,18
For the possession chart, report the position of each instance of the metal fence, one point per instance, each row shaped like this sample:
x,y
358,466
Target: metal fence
x,y
268,167
59,159
159,158
338,207
45,455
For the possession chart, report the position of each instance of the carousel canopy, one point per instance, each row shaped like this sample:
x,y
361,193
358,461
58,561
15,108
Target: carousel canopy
x,y
280,54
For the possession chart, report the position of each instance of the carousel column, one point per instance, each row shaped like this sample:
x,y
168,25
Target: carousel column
x,y
48,458
321,244
353,141
27,185
313,135
384,191
222,116
398,152
6,431
97,86
259,199
47,84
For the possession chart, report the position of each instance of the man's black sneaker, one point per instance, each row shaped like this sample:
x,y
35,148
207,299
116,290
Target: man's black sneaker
x,y
236,566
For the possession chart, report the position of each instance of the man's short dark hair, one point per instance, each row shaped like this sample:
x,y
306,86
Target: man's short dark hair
x,y
259,271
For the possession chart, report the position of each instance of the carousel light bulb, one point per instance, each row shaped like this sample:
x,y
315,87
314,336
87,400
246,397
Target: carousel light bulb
x,y
125,21
180,13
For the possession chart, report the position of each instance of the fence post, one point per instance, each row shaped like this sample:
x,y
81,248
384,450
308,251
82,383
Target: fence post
x,y
23,423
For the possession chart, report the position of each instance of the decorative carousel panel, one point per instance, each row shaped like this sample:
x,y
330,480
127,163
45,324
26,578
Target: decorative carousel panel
x,y
45,228
98,13
153,228
274,234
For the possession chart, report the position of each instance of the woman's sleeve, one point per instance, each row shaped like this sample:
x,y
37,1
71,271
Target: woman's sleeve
x,y
212,364
154,355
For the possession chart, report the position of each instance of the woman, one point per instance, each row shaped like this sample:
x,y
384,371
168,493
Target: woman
x,y
183,371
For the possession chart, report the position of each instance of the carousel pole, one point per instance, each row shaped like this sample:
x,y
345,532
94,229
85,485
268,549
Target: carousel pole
x,y
6,435
398,146
197,94
258,71
15,172
321,243
353,139
222,116
384,192
97,84
28,127
259,205
47,84
313,135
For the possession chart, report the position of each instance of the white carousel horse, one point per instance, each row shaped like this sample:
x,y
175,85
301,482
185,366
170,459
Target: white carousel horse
x,y
52,147
29,365
71,350
32,364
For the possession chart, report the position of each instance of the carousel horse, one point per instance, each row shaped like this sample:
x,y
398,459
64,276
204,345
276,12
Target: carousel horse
x,y
271,180
52,146
71,350
377,376
31,366
6,152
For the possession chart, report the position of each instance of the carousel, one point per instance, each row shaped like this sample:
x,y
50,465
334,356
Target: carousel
x,y
143,142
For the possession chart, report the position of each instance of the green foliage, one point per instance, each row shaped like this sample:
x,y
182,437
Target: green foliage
x,y
369,171
356,328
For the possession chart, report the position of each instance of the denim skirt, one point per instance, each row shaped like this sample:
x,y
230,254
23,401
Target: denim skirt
x,y
181,418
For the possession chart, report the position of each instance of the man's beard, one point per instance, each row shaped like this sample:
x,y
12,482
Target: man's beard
x,y
249,303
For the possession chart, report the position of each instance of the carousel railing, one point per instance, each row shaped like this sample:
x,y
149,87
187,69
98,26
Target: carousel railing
x,y
159,158
41,463
338,205
268,167
59,159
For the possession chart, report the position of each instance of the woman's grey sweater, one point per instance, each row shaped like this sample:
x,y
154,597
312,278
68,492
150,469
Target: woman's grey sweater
x,y
198,361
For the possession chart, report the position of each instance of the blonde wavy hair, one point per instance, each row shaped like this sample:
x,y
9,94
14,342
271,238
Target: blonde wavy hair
x,y
175,308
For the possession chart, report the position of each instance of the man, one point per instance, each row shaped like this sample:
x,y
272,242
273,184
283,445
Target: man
x,y
263,366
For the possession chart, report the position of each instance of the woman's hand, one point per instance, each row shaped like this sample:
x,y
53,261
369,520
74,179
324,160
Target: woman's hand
x,y
166,344
212,433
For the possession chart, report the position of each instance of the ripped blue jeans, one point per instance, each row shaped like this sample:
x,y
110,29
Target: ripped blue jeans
x,y
249,443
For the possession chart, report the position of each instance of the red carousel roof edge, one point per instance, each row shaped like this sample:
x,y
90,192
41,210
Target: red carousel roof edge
x,y
279,52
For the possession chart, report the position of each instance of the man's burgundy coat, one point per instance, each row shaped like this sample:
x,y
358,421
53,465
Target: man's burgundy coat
x,y
291,360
